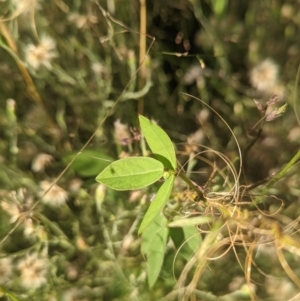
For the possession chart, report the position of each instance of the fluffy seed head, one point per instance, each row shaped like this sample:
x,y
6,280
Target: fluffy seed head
x,y
264,76
121,132
42,54
40,162
56,196
17,204
33,271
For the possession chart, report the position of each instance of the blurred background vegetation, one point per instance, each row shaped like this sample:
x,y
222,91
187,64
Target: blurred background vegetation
x,y
72,81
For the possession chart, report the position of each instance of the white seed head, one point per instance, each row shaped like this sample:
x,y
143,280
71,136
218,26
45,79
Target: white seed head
x,y
42,54
17,204
40,162
55,197
24,6
33,271
264,76
121,133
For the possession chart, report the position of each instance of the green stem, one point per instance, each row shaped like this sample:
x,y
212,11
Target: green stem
x,y
8,294
196,188
277,177
55,228
283,171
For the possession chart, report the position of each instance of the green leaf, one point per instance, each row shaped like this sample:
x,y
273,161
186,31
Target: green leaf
x,y
159,142
191,234
88,163
219,6
193,237
131,173
154,241
192,221
276,113
158,203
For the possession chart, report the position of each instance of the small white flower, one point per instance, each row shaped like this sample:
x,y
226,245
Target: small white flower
x,y
100,69
264,76
75,185
18,204
82,21
79,20
197,137
192,74
42,54
56,196
6,270
121,133
40,162
23,6
28,227
33,271
12,209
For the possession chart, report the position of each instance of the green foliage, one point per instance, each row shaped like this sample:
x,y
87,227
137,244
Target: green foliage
x,y
64,87
191,233
154,241
159,142
88,163
131,173
192,237
158,203
192,221
138,172
219,7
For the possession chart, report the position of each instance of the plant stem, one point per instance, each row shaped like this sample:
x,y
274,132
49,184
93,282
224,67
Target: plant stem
x,y
142,73
12,131
191,184
278,176
283,171
8,294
